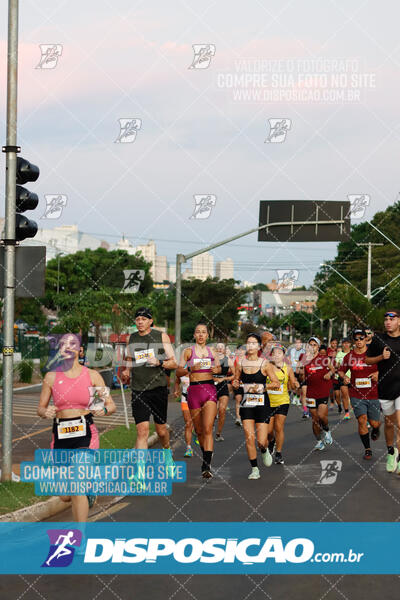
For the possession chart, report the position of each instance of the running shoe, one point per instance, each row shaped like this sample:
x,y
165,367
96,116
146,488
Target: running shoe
x,y
328,438
238,423
375,433
255,473
207,474
271,446
219,437
368,455
196,439
91,500
266,458
169,462
319,445
339,408
279,459
188,453
391,461
305,415
346,417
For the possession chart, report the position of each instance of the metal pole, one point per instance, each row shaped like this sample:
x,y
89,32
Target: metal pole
x,y
369,244
9,230
179,260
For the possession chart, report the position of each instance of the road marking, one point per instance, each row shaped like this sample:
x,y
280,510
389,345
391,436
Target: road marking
x,y
108,511
30,435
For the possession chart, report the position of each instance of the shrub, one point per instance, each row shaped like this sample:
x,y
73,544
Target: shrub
x,y
25,369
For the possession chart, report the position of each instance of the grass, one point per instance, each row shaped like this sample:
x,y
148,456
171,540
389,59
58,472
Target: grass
x,y
120,437
18,494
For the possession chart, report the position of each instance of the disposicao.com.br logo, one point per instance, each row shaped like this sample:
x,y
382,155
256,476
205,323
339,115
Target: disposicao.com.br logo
x,y
248,551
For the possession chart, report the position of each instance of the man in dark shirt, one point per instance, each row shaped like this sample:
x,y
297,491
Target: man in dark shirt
x,y
384,351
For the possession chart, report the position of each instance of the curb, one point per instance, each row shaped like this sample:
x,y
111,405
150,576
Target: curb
x,y
53,506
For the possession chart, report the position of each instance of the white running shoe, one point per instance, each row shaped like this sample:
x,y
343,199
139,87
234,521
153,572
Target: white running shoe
x,y
319,445
328,438
255,473
267,458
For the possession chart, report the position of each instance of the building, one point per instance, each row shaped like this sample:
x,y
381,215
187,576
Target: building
x,y
224,269
203,266
161,269
64,239
172,273
274,303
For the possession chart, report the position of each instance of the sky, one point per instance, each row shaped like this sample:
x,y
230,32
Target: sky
x,y
334,70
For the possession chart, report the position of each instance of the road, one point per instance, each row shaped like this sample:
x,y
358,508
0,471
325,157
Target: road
x,y
356,491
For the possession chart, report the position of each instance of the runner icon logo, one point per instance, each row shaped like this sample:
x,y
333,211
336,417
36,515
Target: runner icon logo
x,y
50,54
286,280
278,129
128,129
55,204
63,543
203,54
330,471
203,205
358,205
133,279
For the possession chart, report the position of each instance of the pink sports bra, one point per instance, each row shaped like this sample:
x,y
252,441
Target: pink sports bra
x,y
196,358
71,393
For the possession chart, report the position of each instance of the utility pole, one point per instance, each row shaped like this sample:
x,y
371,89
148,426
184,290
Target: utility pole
x,y
11,150
369,244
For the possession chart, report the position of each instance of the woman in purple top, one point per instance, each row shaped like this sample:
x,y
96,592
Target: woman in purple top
x,y
202,363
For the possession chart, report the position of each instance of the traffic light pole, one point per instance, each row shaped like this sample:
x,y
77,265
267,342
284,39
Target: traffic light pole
x,y
9,238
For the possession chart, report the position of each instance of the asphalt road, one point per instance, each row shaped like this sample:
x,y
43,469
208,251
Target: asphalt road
x,y
356,490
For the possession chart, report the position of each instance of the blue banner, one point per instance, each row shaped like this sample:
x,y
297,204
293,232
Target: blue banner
x,y
214,548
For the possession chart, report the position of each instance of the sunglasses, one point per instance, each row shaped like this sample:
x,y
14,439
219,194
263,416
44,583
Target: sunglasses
x,y
368,333
361,337
391,314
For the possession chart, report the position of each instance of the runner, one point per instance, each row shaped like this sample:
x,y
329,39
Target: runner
x,y
149,351
202,363
267,339
384,351
369,334
305,357
341,390
294,354
332,350
181,391
252,372
238,394
318,375
279,400
363,390
69,388
221,383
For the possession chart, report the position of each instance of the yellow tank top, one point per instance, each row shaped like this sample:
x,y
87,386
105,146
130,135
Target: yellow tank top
x,y
281,396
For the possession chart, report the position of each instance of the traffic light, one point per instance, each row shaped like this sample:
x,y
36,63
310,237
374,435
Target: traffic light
x,y
25,200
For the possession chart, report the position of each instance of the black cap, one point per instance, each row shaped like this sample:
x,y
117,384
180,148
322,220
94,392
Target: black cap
x,y
346,339
358,332
143,312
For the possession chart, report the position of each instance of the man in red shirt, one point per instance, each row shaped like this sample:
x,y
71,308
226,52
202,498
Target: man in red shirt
x,y
363,390
318,373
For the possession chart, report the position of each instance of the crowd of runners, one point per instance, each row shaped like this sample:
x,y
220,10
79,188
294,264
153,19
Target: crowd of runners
x,y
358,375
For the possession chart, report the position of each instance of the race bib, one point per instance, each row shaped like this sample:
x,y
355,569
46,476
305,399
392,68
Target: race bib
x,y
276,392
363,382
311,402
251,400
142,355
71,429
203,363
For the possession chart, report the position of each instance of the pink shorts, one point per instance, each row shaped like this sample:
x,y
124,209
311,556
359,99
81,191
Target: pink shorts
x,y
200,393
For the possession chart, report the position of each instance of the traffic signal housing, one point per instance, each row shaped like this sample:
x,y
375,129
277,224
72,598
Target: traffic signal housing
x,y
25,200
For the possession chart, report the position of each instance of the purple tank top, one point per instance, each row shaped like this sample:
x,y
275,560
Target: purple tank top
x,y
203,360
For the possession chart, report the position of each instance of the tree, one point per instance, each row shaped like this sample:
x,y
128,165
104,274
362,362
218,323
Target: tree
x,y
344,303
212,301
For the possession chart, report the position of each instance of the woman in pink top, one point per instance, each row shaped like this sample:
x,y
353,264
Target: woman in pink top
x,y
202,363
73,425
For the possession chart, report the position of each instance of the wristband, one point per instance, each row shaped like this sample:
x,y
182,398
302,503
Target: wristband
x,y
105,410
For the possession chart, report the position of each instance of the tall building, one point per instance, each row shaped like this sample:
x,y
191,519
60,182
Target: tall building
x,y
172,273
224,269
65,239
203,266
161,269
